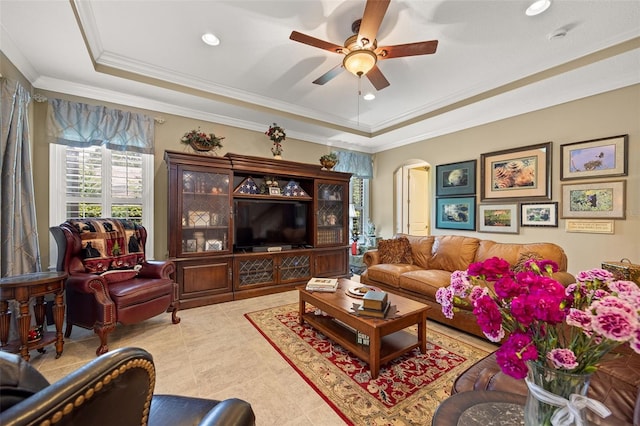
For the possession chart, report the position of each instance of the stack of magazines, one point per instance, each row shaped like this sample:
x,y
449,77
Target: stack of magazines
x,y
322,284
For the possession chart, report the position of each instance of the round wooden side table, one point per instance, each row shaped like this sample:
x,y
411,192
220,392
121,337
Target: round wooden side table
x,y
22,288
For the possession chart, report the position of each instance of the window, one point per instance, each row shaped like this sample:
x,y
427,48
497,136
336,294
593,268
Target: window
x,y
359,207
99,182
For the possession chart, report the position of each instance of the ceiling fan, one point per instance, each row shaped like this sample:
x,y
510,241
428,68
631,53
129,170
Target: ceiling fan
x,y
361,49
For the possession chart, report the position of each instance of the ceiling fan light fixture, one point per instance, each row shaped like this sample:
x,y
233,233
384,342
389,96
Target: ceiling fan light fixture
x,y
210,39
537,7
359,62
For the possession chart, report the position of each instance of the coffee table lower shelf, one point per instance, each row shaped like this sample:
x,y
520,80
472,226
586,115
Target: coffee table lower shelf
x,y
391,347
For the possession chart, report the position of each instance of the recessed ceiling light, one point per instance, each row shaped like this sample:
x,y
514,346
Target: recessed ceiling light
x,y
369,97
537,7
210,39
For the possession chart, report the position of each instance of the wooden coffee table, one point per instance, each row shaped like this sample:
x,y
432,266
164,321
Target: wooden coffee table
x,y
387,337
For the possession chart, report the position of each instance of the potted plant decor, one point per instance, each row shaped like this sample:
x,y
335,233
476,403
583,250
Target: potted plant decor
x,y
329,161
276,135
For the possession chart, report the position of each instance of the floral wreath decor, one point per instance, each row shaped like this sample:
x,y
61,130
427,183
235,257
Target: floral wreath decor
x,y
201,141
276,134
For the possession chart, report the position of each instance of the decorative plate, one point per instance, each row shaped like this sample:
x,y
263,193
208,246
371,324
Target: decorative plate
x,y
361,290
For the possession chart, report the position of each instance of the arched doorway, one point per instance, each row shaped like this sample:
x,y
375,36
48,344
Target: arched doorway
x,y
412,198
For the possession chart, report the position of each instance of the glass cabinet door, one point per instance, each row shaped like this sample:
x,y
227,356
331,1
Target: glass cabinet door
x,y
205,210
330,219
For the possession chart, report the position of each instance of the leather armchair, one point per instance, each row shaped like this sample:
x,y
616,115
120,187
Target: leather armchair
x,y
113,389
110,281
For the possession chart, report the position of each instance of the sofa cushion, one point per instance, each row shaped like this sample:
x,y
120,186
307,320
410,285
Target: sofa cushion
x,y
139,290
453,252
421,249
425,281
389,273
521,264
395,250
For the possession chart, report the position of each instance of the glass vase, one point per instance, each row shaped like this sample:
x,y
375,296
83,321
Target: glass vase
x,y
558,383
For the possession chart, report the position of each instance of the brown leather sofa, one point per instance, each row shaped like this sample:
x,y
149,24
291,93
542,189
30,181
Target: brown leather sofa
x,y
113,389
616,384
434,258
110,280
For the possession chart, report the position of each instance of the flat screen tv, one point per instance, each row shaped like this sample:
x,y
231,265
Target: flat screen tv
x,y
261,223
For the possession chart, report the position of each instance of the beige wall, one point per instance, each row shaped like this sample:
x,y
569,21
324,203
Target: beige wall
x,y
167,137
609,114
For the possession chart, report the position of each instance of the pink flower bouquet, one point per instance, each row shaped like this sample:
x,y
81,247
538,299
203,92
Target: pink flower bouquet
x,y
538,319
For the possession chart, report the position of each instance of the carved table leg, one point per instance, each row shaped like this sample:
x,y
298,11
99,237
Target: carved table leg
x,y
24,323
5,320
58,318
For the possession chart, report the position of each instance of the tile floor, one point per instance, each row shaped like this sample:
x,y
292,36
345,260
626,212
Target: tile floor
x,y
215,353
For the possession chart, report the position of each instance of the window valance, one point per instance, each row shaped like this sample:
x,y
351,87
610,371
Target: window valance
x,y
81,125
357,163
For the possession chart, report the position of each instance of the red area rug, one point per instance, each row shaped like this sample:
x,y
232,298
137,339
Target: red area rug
x,y
407,390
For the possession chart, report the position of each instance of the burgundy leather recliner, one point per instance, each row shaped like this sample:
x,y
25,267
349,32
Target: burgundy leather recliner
x,y
110,280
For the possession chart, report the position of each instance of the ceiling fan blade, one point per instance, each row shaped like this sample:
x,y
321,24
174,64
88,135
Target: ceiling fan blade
x,y
372,18
376,78
315,42
329,75
409,49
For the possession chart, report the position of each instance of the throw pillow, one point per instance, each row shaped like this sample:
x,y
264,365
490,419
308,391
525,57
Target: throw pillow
x,y
395,250
522,260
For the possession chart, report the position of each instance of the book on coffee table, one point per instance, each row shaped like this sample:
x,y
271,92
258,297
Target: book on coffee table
x,y
374,300
322,284
364,312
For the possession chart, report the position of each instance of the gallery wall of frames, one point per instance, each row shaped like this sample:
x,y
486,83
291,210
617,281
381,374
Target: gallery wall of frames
x,y
515,188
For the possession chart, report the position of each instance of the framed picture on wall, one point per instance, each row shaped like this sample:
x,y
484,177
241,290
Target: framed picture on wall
x,y
539,214
456,178
501,218
519,173
595,158
456,213
594,200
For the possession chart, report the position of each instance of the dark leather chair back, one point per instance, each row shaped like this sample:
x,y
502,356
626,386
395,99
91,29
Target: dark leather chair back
x,y
114,389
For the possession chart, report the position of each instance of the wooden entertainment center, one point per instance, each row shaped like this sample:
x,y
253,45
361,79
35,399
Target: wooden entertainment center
x,y
242,226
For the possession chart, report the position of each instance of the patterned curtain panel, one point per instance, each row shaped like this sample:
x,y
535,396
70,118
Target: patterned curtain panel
x,y
359,164
19,252
82,125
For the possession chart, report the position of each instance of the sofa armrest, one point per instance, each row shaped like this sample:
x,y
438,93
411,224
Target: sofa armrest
x,y
83,286
564,278
231,411
176,410
157,269
86,283
371,257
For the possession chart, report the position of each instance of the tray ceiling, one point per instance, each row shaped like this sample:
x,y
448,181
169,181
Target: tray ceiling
x,y
492,61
